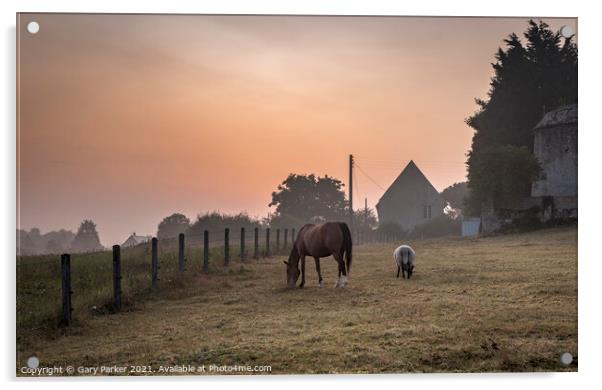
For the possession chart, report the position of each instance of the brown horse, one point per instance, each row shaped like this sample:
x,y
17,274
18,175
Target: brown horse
x,y
325,239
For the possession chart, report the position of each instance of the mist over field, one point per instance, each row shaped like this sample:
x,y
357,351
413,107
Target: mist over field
x,y
194,114
296,194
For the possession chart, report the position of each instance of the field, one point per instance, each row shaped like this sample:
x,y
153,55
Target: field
x,y
501,303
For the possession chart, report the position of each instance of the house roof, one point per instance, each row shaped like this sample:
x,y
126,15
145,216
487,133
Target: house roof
x,y
410,177
137,239
564,115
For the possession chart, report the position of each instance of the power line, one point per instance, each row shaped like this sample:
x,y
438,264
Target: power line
x,y
369,177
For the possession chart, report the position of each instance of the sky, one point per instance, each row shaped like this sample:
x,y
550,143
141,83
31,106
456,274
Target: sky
x,y
125,119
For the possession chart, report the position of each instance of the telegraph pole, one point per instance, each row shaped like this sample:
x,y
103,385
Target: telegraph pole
x,y
351,190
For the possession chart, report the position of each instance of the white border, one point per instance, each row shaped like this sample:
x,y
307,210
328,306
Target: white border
x,y
589,185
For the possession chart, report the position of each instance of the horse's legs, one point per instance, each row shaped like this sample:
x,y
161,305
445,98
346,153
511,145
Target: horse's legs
x,y
403,273
342,262
302,271
318,270
342,280
398,269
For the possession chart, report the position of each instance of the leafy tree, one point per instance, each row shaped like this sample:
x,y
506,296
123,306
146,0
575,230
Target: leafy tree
x,y
25,244
456,194
502,174
528,81
58,241
365,219
301,197
216,222
35,243
172,226
53,247
86,239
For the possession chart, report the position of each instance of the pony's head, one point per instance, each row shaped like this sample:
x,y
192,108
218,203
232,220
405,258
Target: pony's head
x,y
292,268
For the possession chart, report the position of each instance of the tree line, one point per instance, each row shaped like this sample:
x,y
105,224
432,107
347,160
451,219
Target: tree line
x,y
33,242
298,200
302,199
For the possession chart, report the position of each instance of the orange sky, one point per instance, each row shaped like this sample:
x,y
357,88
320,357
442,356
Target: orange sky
x,y
125,119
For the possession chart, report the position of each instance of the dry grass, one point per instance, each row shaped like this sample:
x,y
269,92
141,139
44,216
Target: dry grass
x,y
505,303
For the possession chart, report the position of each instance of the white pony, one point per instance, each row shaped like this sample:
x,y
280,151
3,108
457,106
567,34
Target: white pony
x,y
404,258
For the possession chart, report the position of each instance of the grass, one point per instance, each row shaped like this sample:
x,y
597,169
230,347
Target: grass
x,y
39,283
502,303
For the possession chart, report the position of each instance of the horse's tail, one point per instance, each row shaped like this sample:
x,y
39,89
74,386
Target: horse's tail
x,y
347,243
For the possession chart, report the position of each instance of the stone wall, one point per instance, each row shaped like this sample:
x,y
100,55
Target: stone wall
x,y
556,150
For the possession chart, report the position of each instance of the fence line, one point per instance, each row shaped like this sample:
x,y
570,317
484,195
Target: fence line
x,y
226,246
242,243
204,256
154,263
66,288
116,277
256,251
181,258
206,251
267,242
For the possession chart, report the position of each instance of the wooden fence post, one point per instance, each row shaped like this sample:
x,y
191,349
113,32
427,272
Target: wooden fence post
x,y
256,251
242,243
226,246
205,251
267,242
277,240
181,259
285,239
66,284
116,277
154,263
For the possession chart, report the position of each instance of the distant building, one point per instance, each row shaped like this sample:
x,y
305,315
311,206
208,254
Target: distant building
x,y
554,196
471,226
411,200
134,240
555,146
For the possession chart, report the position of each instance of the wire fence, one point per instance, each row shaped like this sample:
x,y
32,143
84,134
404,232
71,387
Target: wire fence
x,y
105,281
96,281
